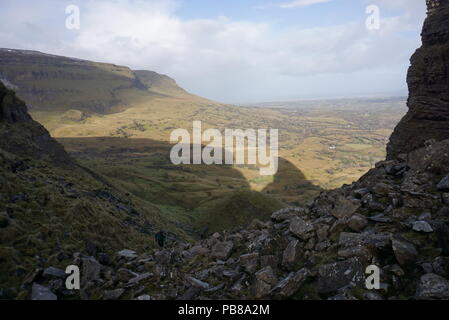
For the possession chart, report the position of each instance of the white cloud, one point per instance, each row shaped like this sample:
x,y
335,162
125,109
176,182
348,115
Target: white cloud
x,y
221,58
298,3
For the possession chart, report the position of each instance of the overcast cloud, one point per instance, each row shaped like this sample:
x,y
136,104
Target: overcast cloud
x,y
227,59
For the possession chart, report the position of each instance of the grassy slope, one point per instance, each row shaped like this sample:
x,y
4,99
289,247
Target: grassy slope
x,y
50,207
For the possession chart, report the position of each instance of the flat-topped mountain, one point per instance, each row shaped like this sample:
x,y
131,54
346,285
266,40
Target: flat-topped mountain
x,y
56,83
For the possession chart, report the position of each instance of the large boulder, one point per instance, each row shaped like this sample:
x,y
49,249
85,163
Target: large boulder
x,y
291,253
405,252
39,292
222,250
290,285
432,286
265,280
301,228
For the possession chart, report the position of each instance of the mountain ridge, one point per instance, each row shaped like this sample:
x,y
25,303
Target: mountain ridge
x,y
52,82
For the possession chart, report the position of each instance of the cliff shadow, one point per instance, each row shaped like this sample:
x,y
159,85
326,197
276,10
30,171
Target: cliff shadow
x,y
291,185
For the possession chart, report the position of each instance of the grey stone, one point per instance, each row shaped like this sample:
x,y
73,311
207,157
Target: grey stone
x,y
39,292
322,233
427,267
265,280
250,262
90,270
267,275
113,294
359,251
357,223
404,251
443,184
425,216
52,272
432,286
373,296
441,266
136,280
343,295
286,213
290,285
380,218
124,275
269,260
290,254
127,254
422,226
215,289
359,193
198,283
300,228
344,208
377,240
222,250
376,206
199,251
340,274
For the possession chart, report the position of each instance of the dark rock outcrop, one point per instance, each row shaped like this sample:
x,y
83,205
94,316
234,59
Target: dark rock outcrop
x,y
428,81
21,135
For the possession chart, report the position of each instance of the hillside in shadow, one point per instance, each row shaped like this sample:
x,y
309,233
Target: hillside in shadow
x,y
212,197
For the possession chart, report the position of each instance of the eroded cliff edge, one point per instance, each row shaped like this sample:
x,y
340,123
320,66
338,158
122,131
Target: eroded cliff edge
x,y
428,81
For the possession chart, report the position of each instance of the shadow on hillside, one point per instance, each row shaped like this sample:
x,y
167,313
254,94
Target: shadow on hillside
x,y
145,168
289,177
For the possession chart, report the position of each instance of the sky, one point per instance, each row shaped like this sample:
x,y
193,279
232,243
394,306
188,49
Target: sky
x,y
234,51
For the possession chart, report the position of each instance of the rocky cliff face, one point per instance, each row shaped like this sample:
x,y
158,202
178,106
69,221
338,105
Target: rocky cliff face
x,y
428,81
21,135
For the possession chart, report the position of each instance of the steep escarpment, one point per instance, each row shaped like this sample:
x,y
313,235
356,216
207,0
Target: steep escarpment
x,y
428,80
58,84
22,135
